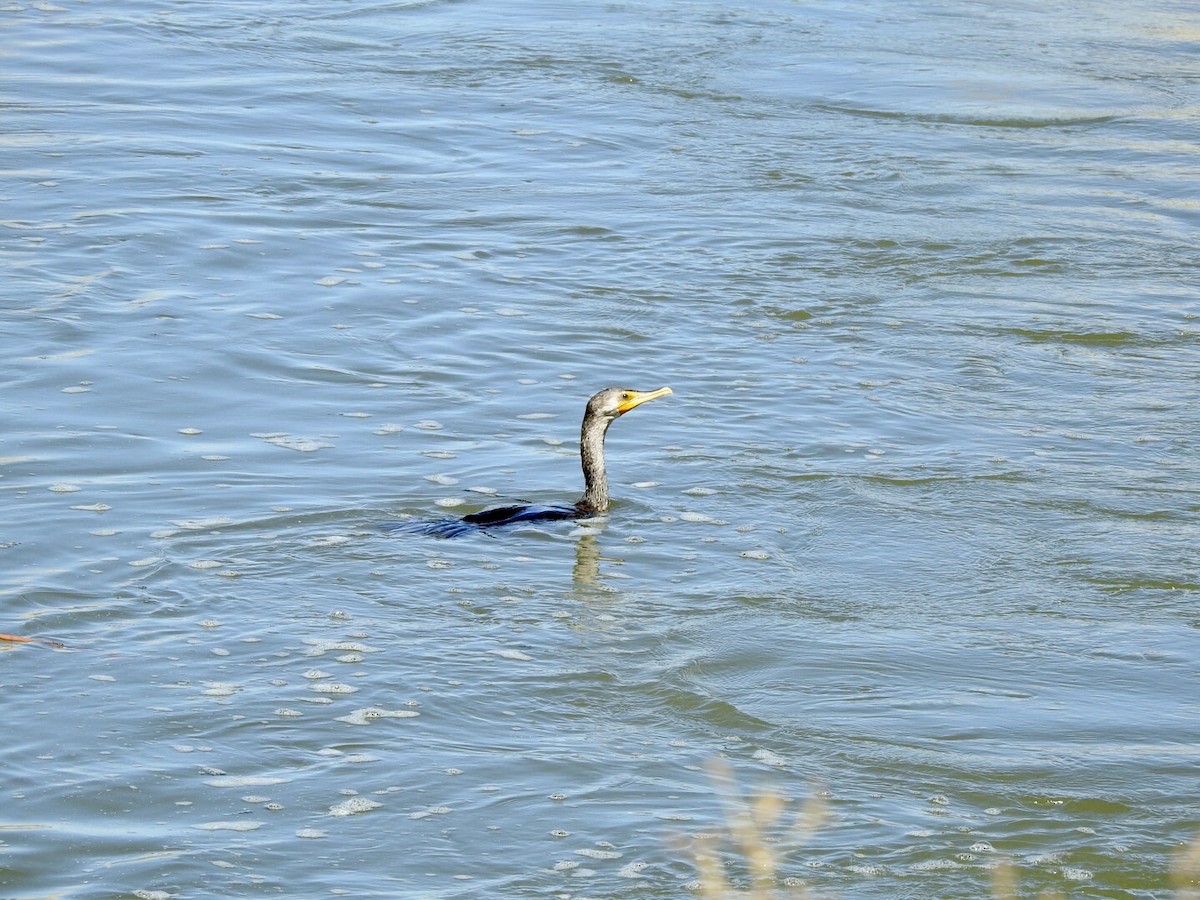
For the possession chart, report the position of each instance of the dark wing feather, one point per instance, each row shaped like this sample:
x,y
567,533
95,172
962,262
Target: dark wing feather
x,y
494,517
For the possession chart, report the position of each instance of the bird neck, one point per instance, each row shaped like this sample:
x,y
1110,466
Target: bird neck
x,y
591,456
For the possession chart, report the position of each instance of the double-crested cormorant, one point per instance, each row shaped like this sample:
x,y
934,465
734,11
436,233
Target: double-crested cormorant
x,y
602,410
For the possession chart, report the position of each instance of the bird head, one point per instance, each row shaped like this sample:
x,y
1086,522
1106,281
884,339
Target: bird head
x,y
612,403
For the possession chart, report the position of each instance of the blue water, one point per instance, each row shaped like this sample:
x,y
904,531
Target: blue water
x,y
914,536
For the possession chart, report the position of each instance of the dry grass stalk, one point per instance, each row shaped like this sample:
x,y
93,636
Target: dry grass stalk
x,y
750,827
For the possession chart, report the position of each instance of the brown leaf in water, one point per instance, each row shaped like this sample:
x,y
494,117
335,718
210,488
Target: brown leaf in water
x,y
18,639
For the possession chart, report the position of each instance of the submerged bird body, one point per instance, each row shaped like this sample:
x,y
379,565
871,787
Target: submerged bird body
x,y
602,410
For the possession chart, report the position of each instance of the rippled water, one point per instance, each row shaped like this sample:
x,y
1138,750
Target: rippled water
x,y
916,532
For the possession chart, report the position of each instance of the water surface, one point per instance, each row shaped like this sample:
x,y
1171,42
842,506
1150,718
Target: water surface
x,y
916,531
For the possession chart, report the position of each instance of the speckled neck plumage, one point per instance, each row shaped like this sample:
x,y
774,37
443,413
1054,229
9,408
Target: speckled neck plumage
x,y
591,456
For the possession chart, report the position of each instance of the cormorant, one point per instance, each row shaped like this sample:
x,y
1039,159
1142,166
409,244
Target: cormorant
x,y
602,410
